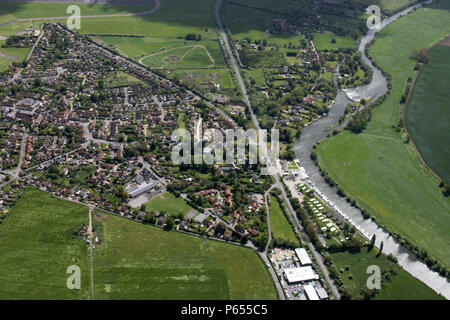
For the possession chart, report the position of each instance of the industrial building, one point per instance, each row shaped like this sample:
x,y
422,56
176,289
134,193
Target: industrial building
x,y
294,275
303,257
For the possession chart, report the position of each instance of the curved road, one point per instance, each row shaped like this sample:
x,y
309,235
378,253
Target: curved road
x,y
317,131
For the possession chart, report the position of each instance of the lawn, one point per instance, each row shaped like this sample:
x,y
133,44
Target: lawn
x,y
428,112
38,244
402,286
136,261
281,228
376,167
168,203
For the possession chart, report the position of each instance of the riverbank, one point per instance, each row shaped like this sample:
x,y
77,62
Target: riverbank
x,y
360,161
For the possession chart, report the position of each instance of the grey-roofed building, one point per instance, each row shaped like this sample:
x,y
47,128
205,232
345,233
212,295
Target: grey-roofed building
x,y
135,189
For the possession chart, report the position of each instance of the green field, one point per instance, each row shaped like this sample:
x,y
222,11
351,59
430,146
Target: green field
x,y
403,285
37,247
376,167
136,261
190,56
281,228
175,18
427,114
322,41
406,287
389,6
133,261
11,55
21,10
169,203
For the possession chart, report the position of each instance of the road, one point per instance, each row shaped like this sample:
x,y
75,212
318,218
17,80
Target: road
x,y
263,147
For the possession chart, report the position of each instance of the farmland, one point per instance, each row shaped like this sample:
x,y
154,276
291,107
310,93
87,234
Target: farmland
x,y
377,167
133,261
402,286
21,10
38,245
281,227
136,261
428,114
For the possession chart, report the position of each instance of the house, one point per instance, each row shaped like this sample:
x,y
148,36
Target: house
x,y
227,235
253,232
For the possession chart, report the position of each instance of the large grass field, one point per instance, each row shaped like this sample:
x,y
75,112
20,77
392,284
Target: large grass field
x,y
427,114
37,246
403,286
136,261
376,167
406,287
23,10
281,227
169,203
388,6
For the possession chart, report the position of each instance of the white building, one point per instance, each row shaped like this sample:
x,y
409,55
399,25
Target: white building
x,y
311,293
322,293
294,275
303,257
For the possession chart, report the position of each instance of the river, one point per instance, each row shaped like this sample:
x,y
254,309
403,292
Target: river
x,y
317,131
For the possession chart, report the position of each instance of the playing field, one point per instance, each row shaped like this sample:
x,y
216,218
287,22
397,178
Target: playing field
x,y
136,261
38,245
376,167
403,285
281,228
168,203
428,112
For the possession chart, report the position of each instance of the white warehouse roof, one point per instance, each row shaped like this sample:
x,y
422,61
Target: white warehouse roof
x,y
311,293
300,274
303,256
